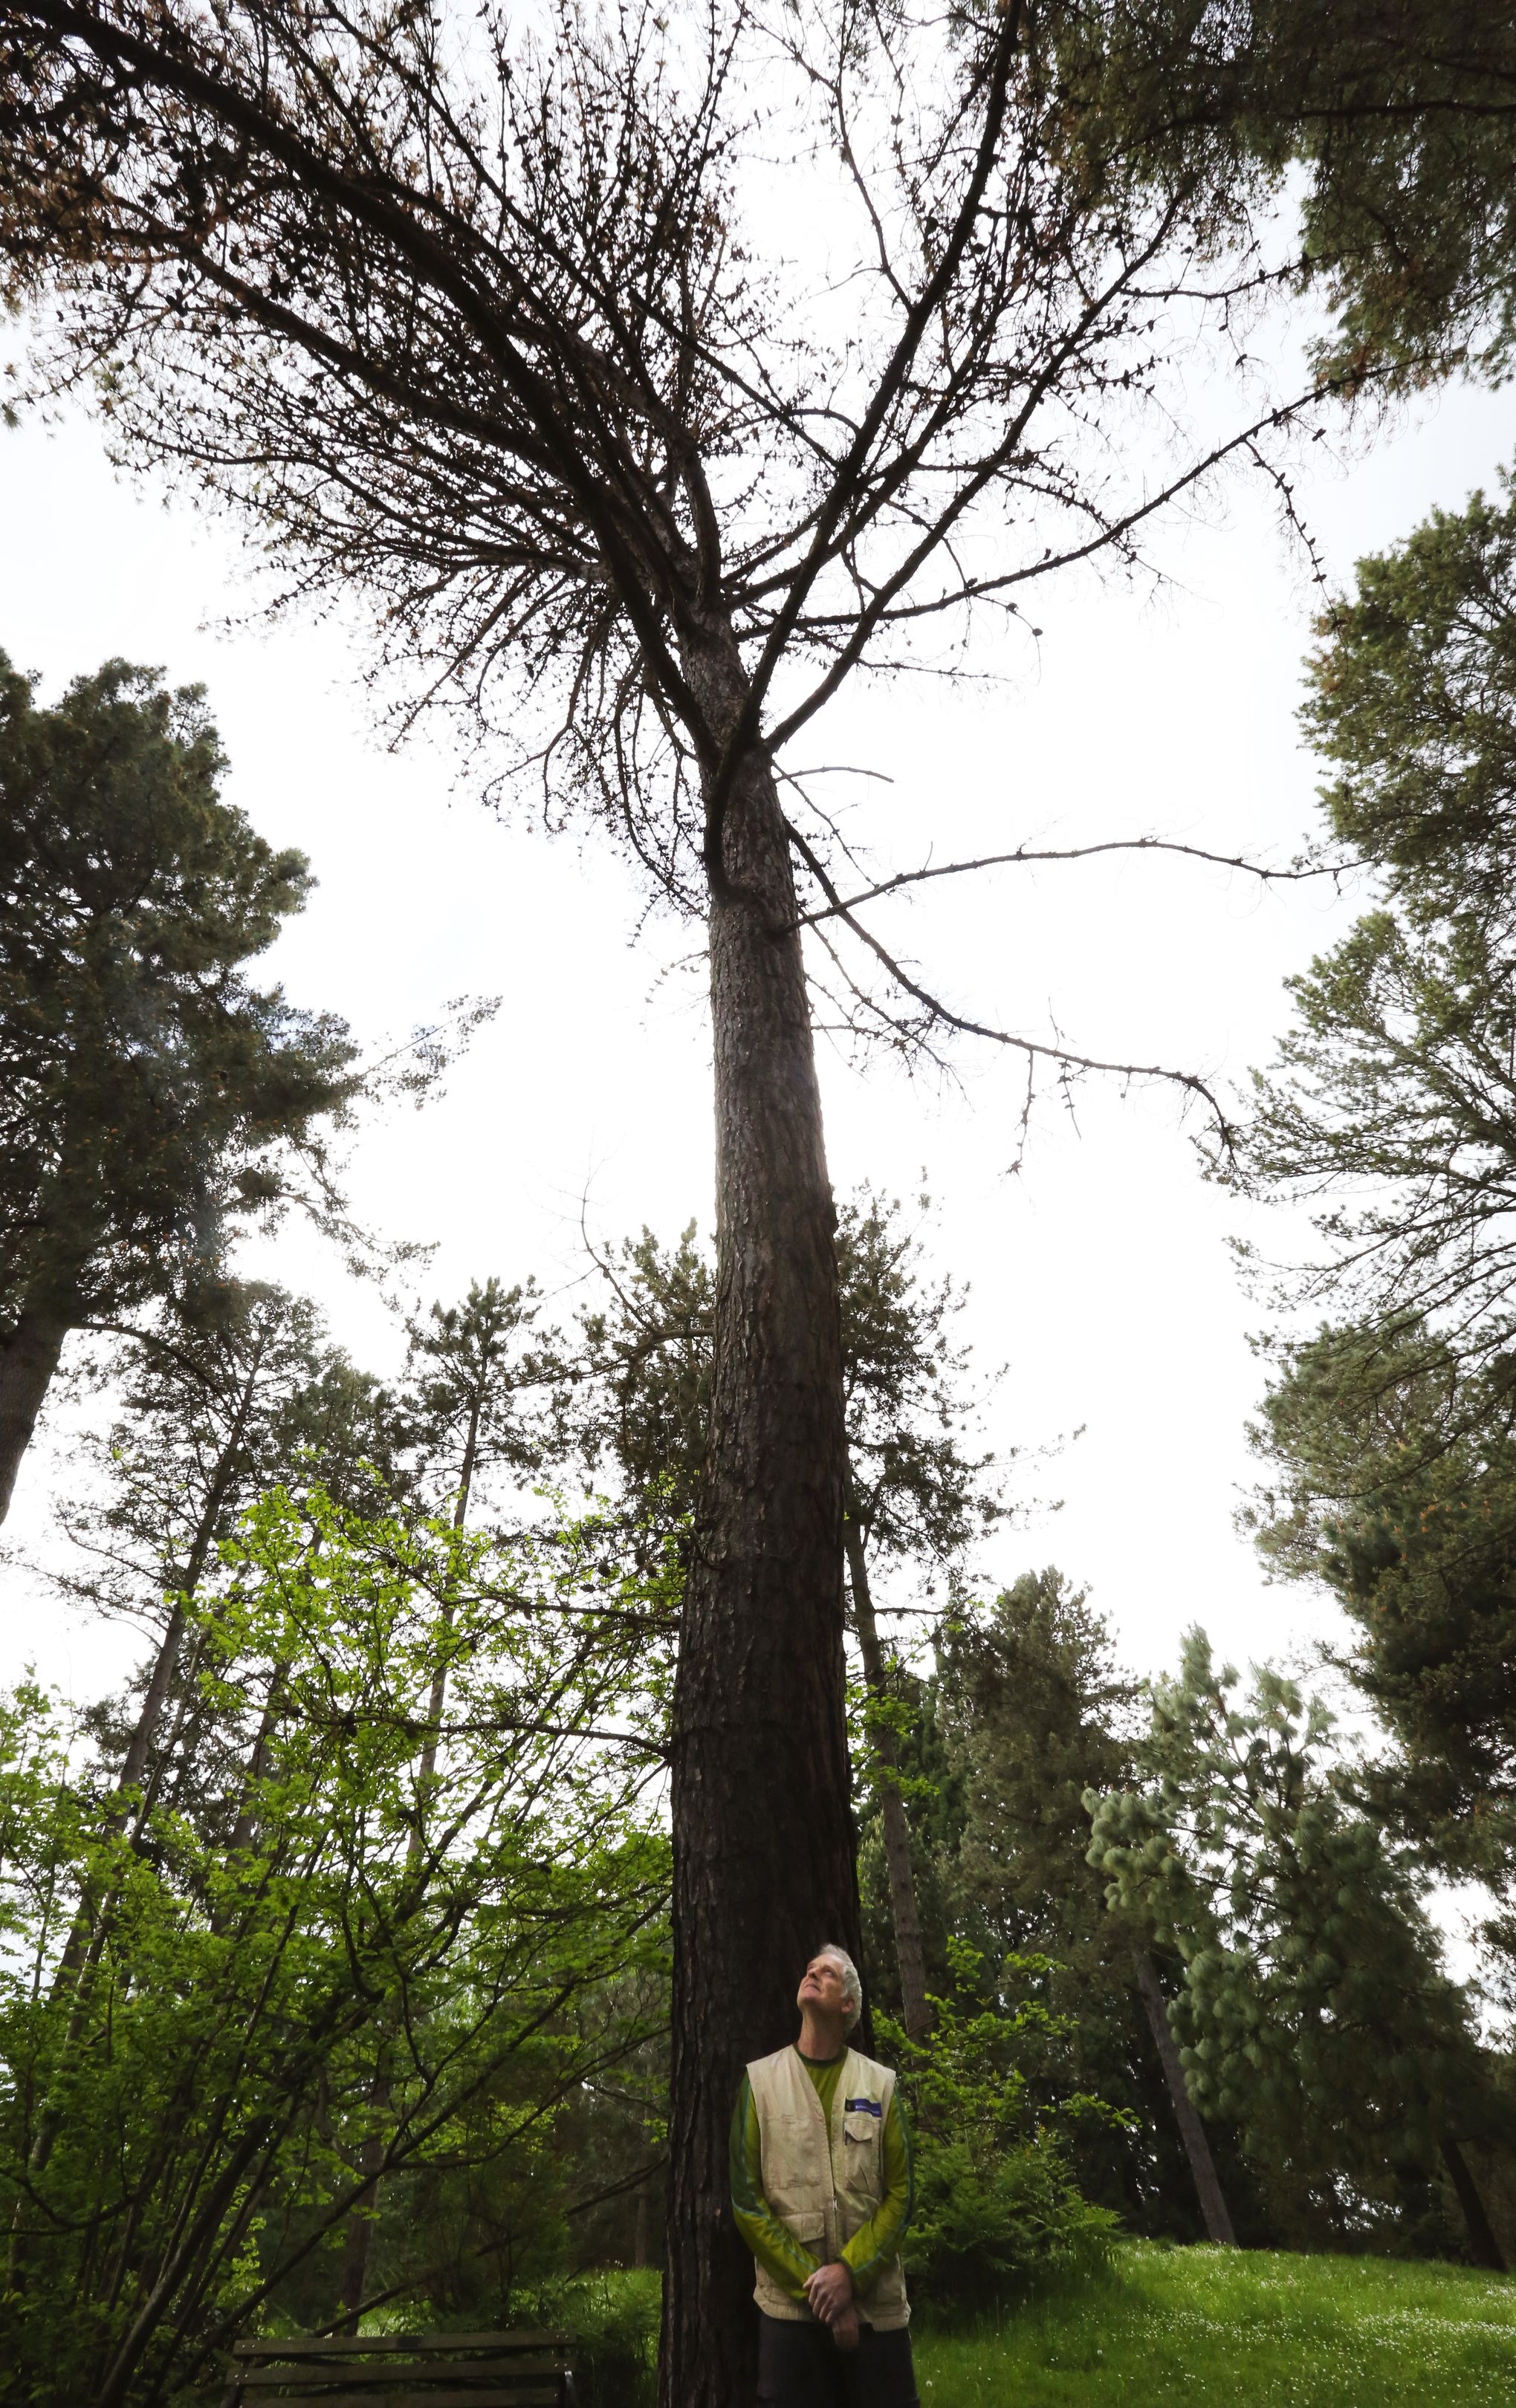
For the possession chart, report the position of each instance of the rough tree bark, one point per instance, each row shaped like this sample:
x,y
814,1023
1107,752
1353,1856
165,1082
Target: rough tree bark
x,y
28,1360
1197,2149
909,1955
764,1865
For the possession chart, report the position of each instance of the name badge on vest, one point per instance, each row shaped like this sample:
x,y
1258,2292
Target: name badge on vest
x,y
863,2107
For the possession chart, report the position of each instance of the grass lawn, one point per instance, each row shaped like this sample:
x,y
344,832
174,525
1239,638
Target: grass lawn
x,y
1208,2327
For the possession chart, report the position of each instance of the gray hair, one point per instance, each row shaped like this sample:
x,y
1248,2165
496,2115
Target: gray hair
x,y
852,1987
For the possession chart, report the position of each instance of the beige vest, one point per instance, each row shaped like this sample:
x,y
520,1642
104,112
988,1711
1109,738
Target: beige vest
x,y
825,2194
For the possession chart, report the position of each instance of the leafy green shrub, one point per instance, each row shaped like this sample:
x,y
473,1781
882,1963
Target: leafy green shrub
x,y
614,2318
987,2219
995,2201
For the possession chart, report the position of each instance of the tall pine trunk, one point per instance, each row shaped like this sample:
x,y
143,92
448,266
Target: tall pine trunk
x,y
764,1865
28,1360
1197,2149
1483,2247
910,1956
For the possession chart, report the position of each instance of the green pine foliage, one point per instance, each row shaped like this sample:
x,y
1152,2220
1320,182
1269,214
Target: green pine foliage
x,y
150,1093
1395,1083
636,1385
1388,1429
1386,121
1025,1712
149,1089
1396,1487
1315,2011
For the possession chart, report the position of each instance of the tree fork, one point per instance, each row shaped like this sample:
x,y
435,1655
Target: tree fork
x,y
764,1860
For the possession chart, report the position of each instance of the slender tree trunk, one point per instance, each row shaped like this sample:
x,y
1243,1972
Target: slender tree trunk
x,y
909,1956
353,2280
28,1360
190,2241
245,1829
764,1864
183,1581
82,1949
93,1911
1483,2247
188,1581
1197,2149
359,2240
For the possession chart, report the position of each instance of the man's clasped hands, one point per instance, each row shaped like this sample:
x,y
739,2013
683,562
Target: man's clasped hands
x,y
829,2291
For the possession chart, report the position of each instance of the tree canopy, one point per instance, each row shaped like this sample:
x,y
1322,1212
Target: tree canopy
x,y
151,1092
1396,1077
1388,1429
1395,124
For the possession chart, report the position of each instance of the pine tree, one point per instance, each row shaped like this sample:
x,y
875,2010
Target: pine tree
x,y
1037,1716
488,330
151,1094
1388,1429
1316,2010
918,1494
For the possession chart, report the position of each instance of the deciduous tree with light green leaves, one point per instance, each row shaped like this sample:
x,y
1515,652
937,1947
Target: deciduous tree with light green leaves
x,y
207,2077
468,1369
996,2204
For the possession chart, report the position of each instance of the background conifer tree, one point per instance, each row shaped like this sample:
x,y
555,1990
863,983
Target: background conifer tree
x,y
1316,2008
149,1093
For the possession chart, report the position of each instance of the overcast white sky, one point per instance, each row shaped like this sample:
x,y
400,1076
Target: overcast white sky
x,y
1099,1272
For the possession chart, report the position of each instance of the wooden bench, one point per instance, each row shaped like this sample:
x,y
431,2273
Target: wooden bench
x,y
512,2370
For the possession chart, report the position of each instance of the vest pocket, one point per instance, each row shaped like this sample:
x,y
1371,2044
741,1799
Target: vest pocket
x,y
808,2229
861,2126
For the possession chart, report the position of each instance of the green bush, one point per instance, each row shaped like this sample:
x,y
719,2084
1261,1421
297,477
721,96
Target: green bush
x,y
988,2219
995,2201
614,2318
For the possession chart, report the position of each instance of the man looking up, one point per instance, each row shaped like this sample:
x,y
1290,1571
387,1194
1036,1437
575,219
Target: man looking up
x,y
821,2191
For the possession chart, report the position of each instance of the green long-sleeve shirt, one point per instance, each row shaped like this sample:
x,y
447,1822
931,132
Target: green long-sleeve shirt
x,y
772,2243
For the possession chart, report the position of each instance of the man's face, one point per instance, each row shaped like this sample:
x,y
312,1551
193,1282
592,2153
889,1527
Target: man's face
x,y
822,1986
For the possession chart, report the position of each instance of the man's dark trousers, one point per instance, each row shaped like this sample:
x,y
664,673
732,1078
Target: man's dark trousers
x,y
801,2366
